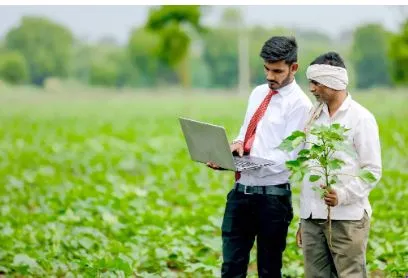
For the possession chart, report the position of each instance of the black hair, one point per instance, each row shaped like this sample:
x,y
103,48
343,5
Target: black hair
x,y
280,48
330,58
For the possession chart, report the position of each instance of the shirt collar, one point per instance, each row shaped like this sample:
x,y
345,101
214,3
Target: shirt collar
x,y
286,90
343,107
346,103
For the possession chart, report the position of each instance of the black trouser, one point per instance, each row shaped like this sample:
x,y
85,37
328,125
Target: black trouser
x,y
265,217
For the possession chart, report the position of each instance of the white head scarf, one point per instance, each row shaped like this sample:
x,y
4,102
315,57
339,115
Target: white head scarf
x,y
330,76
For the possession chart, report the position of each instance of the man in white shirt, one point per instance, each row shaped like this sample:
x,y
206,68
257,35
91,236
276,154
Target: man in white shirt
x,y
259,206
350,207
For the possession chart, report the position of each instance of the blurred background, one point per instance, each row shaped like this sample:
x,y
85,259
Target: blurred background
x,y
193,47
95,176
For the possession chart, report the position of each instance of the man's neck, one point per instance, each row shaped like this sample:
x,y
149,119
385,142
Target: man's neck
x,y
335,104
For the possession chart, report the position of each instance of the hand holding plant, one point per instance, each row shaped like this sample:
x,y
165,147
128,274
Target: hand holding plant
x,y
317,160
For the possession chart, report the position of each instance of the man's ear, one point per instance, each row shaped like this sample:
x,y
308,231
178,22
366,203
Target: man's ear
x,y
294,67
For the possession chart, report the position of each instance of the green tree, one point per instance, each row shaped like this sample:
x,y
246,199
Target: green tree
x,y
399,56
103,73
13,67
46,46
370,56
2,47
174,25
221,54
93,61
143,48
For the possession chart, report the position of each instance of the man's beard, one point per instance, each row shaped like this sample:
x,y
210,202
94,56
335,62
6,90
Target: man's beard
x,y
285,82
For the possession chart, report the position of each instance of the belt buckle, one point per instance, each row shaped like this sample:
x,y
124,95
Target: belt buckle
x,y
246,192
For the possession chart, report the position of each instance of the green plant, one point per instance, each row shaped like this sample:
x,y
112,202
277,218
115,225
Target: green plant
x,y
318,159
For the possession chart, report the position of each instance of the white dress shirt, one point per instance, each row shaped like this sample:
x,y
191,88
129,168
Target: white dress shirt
x,y
352,192
286,112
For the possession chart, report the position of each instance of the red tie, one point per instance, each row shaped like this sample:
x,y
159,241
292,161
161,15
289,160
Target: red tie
x,y
251,129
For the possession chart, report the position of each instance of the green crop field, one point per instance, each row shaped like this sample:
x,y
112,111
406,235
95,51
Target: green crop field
x,y
102,186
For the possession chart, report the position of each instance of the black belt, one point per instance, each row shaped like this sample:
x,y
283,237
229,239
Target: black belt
x,y
279,189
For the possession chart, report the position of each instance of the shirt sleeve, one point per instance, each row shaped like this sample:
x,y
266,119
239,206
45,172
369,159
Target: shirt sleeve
x,y
367,145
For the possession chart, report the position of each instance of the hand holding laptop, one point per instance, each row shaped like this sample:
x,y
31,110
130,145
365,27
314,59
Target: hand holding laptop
x,y
236,147
208,144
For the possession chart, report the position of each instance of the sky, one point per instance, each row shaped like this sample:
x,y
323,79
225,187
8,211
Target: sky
x,y
94,22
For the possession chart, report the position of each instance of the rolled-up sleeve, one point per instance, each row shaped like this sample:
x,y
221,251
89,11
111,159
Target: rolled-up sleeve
x,y
368,148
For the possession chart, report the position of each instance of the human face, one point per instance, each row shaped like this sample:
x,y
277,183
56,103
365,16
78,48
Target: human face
x,y
279,74
321,92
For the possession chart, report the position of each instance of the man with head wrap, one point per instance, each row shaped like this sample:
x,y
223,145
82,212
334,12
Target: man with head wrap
x,y
350,207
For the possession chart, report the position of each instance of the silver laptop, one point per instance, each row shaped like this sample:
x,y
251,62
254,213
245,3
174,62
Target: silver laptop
x,y
207,142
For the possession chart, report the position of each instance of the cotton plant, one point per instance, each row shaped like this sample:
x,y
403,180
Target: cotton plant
x,y
317,159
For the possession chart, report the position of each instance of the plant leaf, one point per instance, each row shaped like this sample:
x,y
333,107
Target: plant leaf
x,y
314,178
334,179
296,177
292,141
304,152
292,164
296,143
335,164
367,176
319,190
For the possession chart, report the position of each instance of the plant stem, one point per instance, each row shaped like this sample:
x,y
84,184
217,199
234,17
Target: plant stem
x,y
326,174
330,227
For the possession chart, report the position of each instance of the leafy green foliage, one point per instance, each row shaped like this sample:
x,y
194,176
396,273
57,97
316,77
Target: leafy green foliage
x,y
170,24
318,157
104,187
398,53
370,56
103,74
13,68
367,176
45,45
220,52
104,64
143,48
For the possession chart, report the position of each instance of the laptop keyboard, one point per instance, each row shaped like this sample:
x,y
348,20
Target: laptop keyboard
x,y
244,163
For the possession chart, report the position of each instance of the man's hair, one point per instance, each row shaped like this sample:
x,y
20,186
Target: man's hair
x,y
280,48
330,58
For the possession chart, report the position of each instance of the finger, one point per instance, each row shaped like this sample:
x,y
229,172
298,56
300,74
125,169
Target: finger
x,y
212,165
299,240
330,202
329,199
241,151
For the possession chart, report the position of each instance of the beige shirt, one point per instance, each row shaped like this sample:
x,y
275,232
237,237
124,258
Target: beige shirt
x,y
352,191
